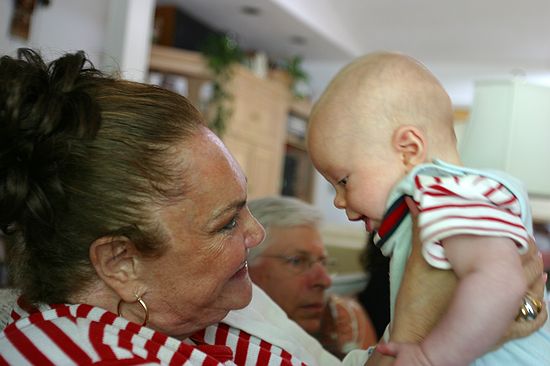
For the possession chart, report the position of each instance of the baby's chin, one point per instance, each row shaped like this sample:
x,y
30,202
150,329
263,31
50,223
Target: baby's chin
x,y
371,225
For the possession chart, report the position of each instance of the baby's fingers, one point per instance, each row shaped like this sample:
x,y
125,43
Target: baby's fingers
x,y
388,349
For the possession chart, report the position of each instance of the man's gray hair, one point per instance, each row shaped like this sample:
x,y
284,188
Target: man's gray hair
x,y
282,212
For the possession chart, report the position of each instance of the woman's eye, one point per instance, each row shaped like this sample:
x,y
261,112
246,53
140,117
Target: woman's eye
x,y
230,225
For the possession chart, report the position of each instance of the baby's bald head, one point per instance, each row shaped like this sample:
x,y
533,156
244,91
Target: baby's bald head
x,y
377,93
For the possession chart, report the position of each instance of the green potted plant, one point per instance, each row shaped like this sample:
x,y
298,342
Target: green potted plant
x,y
291,73
221,53
298,74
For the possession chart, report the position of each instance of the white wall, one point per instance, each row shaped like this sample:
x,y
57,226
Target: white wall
x,y
457,79
116,35
129,36
64,25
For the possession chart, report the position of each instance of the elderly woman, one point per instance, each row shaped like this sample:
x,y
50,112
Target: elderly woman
x,y
106,192
127,226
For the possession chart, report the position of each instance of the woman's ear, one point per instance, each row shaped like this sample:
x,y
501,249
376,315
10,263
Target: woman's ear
x,y
115,260
411,143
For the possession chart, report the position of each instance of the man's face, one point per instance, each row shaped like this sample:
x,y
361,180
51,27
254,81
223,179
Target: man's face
x,y
292,273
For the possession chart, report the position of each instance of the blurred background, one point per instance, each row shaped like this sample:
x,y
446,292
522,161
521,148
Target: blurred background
x,y
255,67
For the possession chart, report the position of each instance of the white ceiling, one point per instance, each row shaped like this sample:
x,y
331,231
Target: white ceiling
x,y
461,40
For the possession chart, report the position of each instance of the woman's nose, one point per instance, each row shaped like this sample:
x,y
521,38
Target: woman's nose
x,y
256,232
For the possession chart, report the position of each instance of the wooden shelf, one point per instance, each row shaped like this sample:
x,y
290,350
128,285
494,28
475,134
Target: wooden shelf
x,y
301,108
461,115
296,142
178,61
256,131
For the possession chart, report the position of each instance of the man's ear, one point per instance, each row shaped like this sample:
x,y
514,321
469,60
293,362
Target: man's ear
x,y
411,143
115,261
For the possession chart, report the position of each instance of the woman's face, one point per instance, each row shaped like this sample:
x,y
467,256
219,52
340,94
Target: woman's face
x,y
203,274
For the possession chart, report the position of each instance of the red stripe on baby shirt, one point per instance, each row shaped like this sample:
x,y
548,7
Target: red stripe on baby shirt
x,y
393,217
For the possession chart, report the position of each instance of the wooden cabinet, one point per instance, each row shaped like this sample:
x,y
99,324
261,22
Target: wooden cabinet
x,y
256,132
298,170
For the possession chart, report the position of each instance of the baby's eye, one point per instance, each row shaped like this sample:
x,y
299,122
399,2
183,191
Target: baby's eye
x,y
343,181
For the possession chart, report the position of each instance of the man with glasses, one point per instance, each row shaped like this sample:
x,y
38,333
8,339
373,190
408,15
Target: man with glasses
x,y
291,265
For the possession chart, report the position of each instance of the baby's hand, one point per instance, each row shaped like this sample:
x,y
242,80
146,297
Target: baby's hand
x,y
406,354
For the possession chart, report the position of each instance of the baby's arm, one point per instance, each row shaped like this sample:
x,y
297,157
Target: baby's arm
x,y
424,297
487,298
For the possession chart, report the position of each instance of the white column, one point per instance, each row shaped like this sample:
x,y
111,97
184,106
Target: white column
x,y
128,38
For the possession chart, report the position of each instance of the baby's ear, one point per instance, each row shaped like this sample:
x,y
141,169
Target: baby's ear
x,y
410,142
115,260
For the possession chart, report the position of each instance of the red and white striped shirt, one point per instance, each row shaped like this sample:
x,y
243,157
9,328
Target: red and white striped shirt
x,y
84,335
247,349
467,204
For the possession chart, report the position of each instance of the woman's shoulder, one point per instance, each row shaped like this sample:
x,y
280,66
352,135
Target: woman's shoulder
x,y
63,334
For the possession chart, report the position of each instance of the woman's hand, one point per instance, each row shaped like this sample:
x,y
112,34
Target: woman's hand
x,y
533,268
426,292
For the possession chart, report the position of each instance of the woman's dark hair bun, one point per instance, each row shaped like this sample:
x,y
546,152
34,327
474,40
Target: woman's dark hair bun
x,y
44,108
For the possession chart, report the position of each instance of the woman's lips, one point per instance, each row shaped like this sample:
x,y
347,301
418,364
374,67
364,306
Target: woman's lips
x,y
242,271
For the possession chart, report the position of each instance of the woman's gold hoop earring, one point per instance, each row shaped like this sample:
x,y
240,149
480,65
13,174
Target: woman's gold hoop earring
x,y
140,301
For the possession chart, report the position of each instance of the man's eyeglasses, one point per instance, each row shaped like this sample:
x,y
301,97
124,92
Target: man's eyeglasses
x,y
301,263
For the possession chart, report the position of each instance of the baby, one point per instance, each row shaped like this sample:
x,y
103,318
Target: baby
x,y
383,131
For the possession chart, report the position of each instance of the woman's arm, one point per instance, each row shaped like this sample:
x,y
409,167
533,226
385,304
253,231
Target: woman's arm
x,y
423,297
425,294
